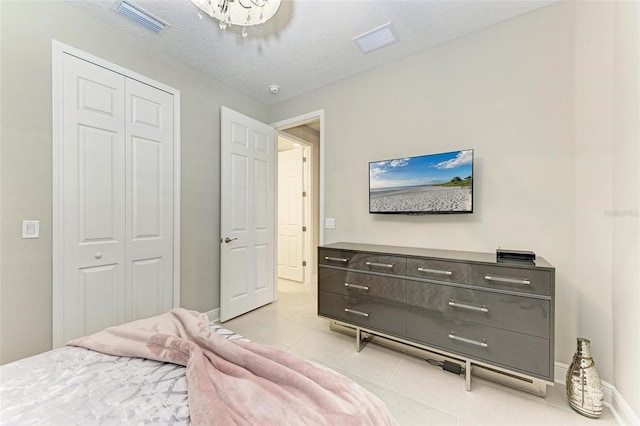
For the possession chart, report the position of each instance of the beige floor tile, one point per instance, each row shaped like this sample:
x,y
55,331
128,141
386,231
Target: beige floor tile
x,y
370,386
255,320
557,396
427,384
493,404
410,412
284,333
567,416
374,363
323,346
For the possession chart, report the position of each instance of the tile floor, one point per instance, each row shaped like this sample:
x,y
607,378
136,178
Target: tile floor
x,y
416,392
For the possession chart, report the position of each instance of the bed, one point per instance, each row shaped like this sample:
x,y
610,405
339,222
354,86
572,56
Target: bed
x,y
192,372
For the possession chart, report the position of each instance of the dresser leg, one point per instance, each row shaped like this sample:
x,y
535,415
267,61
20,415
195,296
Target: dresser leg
x,y
360,342
467,375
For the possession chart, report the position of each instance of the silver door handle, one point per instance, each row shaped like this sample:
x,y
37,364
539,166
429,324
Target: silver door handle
x,y
228,240
470,307
507,280
434,271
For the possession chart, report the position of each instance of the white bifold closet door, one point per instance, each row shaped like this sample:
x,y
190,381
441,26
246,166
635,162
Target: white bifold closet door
x,y
118,196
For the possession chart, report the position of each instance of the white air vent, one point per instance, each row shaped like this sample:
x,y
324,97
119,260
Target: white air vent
x,y
141,16
376,38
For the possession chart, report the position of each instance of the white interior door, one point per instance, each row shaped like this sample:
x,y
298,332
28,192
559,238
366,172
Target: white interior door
x,y
149,200
114,198
247,214
290,215
94,198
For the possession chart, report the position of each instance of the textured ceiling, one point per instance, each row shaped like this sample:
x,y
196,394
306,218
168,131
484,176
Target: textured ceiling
x,y
308,44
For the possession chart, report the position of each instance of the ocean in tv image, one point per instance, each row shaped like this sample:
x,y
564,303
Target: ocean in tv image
x,y
437,183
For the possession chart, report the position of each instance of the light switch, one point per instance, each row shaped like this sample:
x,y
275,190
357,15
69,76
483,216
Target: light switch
x,y
329,223
30,229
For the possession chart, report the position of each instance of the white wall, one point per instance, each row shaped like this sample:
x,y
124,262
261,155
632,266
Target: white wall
x,y
506,92
26,30
549,101
625,206
593,133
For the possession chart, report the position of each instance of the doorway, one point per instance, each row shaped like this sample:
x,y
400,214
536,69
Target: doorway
x,y
306,133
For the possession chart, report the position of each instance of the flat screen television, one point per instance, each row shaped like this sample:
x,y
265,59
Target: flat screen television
x,y
426,184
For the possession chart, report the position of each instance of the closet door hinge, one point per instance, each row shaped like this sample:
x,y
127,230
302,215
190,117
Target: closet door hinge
x,y
304,229
304,159
304,263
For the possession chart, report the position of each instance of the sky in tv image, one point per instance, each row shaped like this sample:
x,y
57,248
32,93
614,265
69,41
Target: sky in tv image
x,y
420,171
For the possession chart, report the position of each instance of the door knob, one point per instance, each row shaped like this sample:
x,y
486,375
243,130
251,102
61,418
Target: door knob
x,y
228,240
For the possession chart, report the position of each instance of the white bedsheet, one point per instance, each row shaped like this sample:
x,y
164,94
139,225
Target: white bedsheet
x,y
72,385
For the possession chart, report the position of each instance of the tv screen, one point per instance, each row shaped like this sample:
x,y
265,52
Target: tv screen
x,y
435,183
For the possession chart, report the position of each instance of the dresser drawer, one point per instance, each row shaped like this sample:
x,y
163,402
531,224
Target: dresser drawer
x,y
365,313
504,348
522,280
364,286
343,258
516,313
383,263
438,270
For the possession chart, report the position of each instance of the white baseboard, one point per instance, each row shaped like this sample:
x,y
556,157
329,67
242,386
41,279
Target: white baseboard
x,y
612,399
214,315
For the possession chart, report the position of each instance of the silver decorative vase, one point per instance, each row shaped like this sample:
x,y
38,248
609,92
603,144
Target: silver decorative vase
x,y
584,388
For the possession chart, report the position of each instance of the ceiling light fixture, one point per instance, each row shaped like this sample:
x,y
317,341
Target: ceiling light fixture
x,y
242,13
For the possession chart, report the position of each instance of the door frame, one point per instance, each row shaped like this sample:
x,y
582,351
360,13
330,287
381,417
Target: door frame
x,y
58,50
297,121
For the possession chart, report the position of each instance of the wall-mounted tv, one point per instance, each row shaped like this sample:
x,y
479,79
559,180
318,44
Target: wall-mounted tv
x,y
435,183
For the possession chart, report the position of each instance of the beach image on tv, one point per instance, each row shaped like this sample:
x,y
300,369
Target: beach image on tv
x,y
438,183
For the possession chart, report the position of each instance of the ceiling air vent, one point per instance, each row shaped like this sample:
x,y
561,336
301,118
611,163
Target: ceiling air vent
x,y
141,16
377,38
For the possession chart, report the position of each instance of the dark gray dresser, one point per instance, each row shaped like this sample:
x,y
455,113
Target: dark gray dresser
x,y
463,305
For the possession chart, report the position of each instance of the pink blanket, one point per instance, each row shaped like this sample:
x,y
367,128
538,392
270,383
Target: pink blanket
x,y
244,383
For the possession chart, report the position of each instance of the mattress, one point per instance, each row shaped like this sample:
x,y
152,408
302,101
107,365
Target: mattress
x,y
72,385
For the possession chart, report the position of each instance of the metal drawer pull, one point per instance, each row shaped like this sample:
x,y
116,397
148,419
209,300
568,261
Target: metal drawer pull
x,y
434,271
336,259
353,311
380,265
357,286
453,336
507,280
470,307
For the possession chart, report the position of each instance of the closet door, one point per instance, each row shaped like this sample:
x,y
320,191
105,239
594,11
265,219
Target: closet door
x,y
117,200
93,198
149,195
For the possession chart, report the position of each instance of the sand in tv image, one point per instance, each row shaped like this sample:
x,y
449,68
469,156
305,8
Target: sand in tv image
x,y
438,183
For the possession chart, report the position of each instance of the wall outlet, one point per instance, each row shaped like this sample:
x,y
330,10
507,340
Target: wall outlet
x,y
329,223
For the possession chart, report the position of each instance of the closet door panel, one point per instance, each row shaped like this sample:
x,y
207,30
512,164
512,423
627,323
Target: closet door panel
x,y
149,195
93,181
